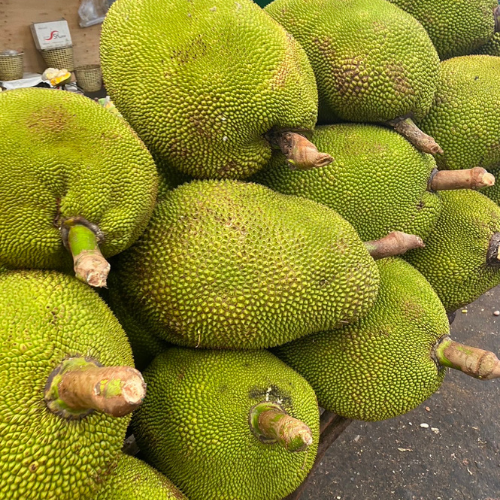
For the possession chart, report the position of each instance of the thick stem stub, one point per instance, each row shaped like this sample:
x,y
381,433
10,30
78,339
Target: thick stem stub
x,y
82,239
271,424
301,153
493,256
395,243
79,386
471,360
470,178
423,142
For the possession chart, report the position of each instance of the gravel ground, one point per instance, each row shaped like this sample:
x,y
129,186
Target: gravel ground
x,y
446,449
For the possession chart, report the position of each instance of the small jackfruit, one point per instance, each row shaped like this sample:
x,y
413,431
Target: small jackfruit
x,y
133,479
456,27
228,424
227,264
461,257
464,117
220,76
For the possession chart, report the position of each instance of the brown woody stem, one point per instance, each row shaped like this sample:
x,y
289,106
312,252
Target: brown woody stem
x,y
271,424
78,386
493,255
470,178
423,142
395,243
301,153
471,360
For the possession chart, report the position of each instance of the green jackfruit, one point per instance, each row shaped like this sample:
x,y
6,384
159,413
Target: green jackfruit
x,y
197,424
377,181
48,317
382,366
491,48
456,27
66,162
461,259
203,82
464,118
494,192
227,264
373,62
133,479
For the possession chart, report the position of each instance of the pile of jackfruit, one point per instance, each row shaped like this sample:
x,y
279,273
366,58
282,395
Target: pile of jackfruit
x,y
278,217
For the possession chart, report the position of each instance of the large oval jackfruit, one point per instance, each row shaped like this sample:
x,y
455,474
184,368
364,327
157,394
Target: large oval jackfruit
x,y
46,318
227,264
202,82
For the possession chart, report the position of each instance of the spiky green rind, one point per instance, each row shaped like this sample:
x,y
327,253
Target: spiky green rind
x,y
47,317
456,27
464,118
133,479
454,257
373,62
194,423
202,82
491,48
382,366
227,264
62,156
377,180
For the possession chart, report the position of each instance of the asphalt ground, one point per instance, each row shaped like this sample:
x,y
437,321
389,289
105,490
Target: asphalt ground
x,y
448,448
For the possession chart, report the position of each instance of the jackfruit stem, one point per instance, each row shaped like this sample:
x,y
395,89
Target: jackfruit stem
x,y
423,142
496,14
493,254
271,424
88,262
301,153
470,178
471,360
78,386
395,243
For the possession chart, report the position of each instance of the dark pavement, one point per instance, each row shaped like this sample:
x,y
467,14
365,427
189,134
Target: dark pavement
x,y
446,449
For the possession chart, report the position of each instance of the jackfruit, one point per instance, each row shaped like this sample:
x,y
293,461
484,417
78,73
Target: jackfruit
x,y
491,48
54,331
73,176
493,193
373,62
461,258
456,27
464,118
133,479
223,424
206,83
227,264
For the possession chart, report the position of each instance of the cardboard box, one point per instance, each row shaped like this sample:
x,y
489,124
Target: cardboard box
x,y
51,35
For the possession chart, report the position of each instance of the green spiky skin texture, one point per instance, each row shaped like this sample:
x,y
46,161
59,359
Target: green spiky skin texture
x,y
202,82
454,257
169,179
464,118
194,423
47,317
456,27
373,62
227,264
377,180
493,192
145,346
65,156
382,366
492,47
133,479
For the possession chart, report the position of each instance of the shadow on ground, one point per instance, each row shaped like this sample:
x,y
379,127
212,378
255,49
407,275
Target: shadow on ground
x,y
456,456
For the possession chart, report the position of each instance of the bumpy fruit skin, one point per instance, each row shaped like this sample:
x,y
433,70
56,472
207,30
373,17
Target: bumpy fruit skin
x,y
454,258
202,82
227,264
493,192
464,118
47,317
373,62
133,479
456,27
62,156
382,366
492,47
377,180
194,423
